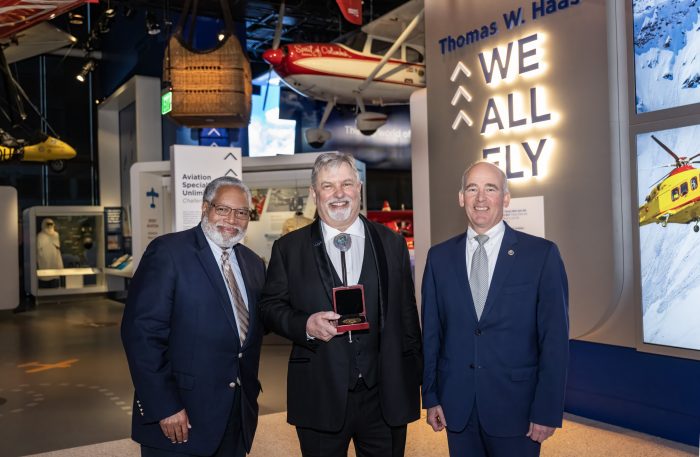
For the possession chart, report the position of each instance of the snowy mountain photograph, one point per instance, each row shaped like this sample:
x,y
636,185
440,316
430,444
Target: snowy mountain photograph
x,y
666,53
669,256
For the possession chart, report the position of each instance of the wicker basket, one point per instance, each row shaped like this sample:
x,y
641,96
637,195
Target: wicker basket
x,y
210,88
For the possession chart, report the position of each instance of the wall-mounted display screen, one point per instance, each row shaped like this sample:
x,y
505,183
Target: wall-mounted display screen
x,y
669,236
666,53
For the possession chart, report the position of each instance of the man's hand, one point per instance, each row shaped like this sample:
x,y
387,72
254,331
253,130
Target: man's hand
x,y
539,433
321,325
176,427
436,418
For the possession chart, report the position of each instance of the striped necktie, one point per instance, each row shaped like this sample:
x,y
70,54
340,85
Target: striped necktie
x,y
241,309
479,277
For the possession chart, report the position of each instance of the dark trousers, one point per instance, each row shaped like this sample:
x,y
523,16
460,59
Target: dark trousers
x,y
364,424
231,444
473,441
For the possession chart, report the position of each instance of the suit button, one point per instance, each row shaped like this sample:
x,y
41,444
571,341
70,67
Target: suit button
x,y
477,332
232,385
240,355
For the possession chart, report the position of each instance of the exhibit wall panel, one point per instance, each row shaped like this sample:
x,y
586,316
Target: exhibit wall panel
x,y
527,86
9,241
420,177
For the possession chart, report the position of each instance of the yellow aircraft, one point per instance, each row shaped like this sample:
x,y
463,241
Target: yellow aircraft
x,y
50,149
674,199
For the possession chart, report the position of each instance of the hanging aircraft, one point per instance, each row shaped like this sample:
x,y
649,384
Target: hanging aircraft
x,y
380,64
674,199
17,140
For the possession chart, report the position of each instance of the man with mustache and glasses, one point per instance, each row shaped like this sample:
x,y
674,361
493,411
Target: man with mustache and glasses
x,y
364,385
192,334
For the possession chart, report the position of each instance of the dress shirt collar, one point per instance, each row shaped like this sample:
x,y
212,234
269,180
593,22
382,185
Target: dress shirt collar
x,y
356,229
493,233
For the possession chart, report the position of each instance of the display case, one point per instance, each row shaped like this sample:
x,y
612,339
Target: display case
x,y
64,251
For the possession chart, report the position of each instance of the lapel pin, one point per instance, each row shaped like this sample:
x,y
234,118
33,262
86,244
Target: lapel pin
x,y
511,252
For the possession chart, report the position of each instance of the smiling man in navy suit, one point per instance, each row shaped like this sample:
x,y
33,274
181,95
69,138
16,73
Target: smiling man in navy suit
x,y
495,329
192,334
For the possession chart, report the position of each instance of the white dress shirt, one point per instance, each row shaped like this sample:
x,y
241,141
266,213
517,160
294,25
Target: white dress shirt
x,y
492,246
217,251
353,257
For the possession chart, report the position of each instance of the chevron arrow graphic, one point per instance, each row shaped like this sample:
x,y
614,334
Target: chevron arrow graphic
x,y
231,172
460,68
461,92
230,154
461,117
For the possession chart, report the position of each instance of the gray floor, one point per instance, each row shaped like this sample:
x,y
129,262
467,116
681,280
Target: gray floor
x,y
64,381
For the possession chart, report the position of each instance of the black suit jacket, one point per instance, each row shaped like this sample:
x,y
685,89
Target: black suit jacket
x,y
182,343
299,283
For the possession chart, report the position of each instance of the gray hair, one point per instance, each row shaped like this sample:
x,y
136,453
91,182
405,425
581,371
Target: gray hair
x,y
215,184
469,168
332,160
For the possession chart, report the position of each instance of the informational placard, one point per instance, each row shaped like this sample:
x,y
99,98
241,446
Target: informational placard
x,y
526,214
193,167
9,239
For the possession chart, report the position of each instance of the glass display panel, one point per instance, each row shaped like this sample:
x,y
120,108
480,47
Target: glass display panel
x,y
669,236
666,44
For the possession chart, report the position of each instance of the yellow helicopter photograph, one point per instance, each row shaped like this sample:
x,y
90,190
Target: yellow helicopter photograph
x,y
674,198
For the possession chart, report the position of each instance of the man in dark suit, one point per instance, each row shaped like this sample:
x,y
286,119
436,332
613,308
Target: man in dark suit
x,y
495,329
362,386
192,334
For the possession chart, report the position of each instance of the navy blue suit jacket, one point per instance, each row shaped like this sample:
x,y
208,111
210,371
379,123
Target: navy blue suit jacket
x,y
182,344
513,360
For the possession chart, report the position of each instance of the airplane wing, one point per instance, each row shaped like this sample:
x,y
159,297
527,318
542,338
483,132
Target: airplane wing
x,y
18,15
40,39
404,24
393,23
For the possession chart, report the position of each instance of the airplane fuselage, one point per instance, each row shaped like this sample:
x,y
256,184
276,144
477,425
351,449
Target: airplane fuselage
x,y
333,72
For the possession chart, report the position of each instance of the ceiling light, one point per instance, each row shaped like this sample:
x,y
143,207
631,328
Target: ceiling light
x,y
110,12
152,24
76,18
88,67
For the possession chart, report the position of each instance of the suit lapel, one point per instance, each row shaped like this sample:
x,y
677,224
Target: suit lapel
x,y
323,263
459,262
504,262
380,255
211,268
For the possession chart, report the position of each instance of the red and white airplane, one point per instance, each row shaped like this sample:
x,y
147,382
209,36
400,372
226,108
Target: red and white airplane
x,y
380,64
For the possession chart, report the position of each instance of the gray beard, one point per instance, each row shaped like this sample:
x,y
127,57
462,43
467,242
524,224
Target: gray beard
x,y
218,238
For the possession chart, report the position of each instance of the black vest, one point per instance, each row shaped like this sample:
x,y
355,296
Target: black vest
x,y
363,352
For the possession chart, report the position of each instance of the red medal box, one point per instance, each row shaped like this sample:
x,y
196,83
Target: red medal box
x,y
349,302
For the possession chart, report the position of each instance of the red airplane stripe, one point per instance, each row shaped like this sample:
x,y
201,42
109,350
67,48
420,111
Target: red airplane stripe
x,y
307,71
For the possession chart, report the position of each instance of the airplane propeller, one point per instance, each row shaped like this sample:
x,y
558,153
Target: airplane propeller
x,y
276,39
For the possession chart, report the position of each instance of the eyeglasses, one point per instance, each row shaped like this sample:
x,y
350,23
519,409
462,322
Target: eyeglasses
x,y
238,213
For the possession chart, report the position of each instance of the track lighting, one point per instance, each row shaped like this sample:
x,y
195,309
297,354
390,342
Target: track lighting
x,y
76,18
88,67
152,24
